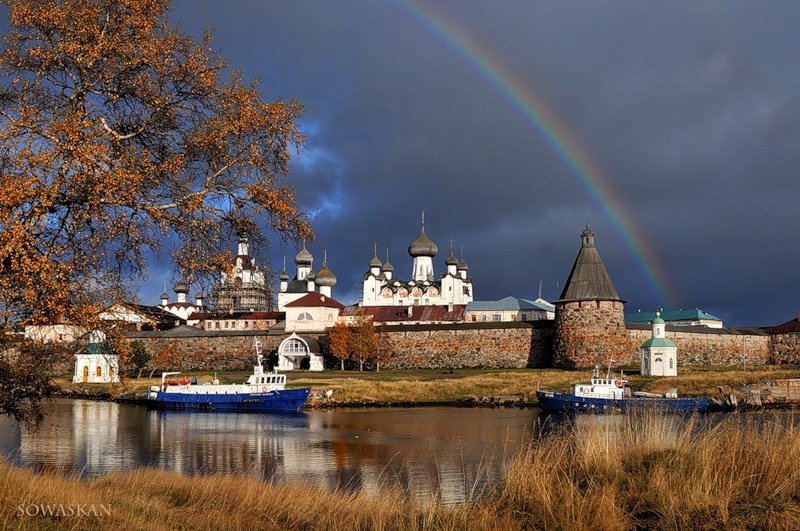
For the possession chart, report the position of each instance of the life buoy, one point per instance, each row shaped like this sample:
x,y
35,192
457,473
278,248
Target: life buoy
x,y
264,389
618,383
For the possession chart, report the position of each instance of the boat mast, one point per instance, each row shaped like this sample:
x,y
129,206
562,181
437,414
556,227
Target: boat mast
x,y
257,344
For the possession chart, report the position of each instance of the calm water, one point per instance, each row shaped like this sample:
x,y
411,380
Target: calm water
x,y
456,452
453,451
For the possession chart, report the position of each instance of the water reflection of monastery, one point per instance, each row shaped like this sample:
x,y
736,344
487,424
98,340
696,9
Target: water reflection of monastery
x,y
78,435
352,451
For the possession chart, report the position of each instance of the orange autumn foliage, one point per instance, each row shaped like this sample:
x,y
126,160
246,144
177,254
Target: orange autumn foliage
x,y
118,132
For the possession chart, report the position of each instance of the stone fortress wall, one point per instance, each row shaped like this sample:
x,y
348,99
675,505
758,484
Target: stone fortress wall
x,y
471,345
485,345
223,351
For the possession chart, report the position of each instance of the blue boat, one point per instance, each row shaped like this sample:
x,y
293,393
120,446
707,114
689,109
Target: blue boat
x,y
261,392
610,394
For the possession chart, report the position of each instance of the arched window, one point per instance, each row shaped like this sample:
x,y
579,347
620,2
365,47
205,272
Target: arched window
x,y
98,371
671,361
305,316
295,346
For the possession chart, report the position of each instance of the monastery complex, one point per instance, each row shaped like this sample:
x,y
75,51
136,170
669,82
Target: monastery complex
x,y
431,321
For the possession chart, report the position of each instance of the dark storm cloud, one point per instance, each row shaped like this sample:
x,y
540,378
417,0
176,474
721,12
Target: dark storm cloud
x,y
692,110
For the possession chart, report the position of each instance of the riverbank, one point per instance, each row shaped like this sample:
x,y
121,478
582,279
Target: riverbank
x,y
643,472
468,387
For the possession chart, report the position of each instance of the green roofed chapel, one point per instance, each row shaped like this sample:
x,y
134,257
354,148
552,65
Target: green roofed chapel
x,y
659,354
590,324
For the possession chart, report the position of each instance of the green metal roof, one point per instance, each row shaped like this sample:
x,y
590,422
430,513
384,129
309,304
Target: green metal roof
x,y
671,315
658,342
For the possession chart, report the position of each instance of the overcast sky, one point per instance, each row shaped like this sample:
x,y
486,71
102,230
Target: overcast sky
x,y
684,115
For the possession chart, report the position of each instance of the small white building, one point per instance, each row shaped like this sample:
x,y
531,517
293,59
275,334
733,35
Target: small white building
x,y
95,364
659,354
297,352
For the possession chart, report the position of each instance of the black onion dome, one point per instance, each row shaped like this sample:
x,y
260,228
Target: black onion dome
x,y
181,287
375,262
283,275
165,295
451,260
423,246
387,266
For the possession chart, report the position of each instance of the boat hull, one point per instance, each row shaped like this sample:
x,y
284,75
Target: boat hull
x,y
279,400
553,401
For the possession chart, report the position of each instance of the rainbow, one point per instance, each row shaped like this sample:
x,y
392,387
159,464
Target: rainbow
x,y
551,129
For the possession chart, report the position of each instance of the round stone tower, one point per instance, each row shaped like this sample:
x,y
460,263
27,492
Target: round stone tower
x,y
590,322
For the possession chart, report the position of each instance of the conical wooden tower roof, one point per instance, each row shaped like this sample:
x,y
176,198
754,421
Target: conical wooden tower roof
x,y
588,280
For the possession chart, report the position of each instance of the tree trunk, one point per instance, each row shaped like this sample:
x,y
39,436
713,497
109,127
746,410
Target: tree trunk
x,y
152,371
360,365
342,364
139,376
377,366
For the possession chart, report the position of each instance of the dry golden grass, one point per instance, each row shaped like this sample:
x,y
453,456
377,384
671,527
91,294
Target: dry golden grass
x,y
156,500
653,471
649,471
402,389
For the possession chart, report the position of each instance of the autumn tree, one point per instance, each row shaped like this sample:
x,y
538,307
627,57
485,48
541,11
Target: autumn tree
x,y
140,357
118,133
165,358
364,342
382,350
25,381
339,342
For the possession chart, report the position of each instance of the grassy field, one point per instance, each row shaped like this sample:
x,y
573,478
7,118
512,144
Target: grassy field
x,y
651,472
463,385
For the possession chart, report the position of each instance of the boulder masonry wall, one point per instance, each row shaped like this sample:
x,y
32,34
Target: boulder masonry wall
x,y
485,345
490,345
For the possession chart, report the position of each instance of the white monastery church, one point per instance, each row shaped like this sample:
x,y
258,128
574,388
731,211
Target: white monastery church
x,y
454,287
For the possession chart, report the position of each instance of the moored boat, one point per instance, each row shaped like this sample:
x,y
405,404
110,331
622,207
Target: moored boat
x,y
608,394
261,392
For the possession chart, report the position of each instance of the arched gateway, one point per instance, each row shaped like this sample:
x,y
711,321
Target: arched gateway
x,y
297,352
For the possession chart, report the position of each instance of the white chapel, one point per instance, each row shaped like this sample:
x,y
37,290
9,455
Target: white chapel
x,y
659,354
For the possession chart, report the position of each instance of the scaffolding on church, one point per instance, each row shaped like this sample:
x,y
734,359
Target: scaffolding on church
x,y
241,296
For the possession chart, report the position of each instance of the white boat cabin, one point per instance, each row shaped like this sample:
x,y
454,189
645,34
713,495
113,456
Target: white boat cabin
x,y
608,387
